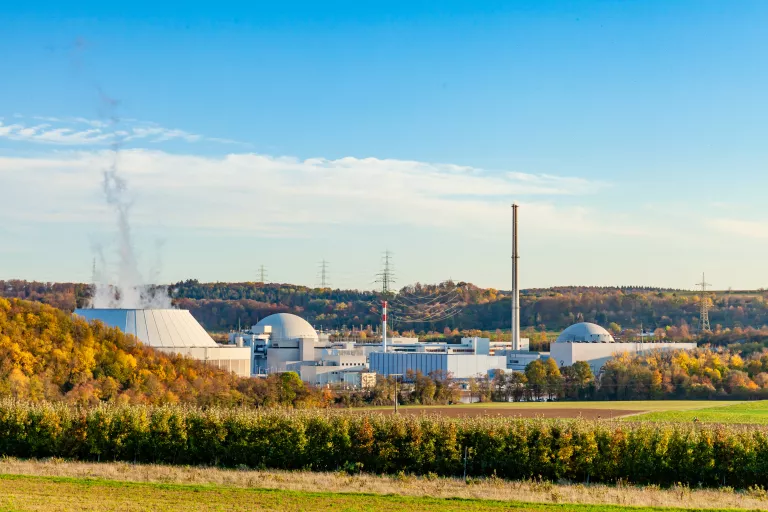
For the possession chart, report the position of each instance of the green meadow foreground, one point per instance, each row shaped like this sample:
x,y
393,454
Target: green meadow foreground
x,y
755,413
56,485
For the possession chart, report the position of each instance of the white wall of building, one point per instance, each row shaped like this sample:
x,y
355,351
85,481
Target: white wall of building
x,y
233,359
597,354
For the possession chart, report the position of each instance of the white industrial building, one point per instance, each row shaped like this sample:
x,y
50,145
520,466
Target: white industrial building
x,y
285,342
174,331
591,343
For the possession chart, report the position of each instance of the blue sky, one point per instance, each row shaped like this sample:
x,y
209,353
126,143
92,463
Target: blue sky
x,y
282,133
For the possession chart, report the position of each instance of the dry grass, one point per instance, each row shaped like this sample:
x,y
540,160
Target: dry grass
x,y
493,489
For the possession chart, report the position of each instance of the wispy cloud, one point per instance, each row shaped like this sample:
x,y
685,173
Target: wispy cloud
x,y
84,132
286,196
743,228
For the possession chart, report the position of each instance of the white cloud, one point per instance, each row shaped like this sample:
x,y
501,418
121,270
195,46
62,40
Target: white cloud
x,y
88,132
285,196
744,228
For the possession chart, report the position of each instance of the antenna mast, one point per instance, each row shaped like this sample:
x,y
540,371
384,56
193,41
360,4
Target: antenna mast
x,y
704,323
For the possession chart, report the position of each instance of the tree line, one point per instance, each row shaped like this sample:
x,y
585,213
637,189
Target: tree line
x,y
515,449
223,306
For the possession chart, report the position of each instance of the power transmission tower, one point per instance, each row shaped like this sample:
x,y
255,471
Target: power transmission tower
x,y
386,277
704,323
324,274
262,274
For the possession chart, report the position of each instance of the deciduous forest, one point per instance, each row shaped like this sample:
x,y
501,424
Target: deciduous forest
x,y
734,315
47,354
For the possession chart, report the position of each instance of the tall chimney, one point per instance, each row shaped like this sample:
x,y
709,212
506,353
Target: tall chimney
x,y
515,284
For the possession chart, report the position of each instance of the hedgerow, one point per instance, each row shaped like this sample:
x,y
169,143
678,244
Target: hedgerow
x,y
328,440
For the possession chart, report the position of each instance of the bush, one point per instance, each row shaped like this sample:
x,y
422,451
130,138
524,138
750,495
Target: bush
x,y
337,440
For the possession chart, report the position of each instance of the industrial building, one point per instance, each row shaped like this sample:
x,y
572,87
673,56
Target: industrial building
x,y
458,365
285,342
174,331
591,343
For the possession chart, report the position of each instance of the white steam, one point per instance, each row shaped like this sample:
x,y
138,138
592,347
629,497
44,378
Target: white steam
x,y
124,289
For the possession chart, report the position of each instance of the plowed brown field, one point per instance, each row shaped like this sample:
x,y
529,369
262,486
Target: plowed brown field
x,y
466,412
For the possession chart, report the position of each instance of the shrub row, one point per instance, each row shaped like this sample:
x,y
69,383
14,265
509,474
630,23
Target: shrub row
x,y
331,440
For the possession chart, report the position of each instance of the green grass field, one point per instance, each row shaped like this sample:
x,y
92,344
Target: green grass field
x,y
32,493
755,413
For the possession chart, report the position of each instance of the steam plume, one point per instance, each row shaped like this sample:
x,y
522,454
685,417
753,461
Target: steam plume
x,y
128,290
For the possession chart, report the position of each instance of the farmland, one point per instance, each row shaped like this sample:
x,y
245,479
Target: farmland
x,y
56,485
754,413
586,410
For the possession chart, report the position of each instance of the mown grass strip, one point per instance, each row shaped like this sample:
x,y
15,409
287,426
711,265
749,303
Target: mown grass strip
x,y
33,493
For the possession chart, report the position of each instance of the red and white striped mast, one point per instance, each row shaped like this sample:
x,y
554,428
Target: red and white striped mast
x,y
384,324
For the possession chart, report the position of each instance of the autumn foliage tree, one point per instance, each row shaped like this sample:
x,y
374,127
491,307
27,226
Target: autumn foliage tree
x,y
47,354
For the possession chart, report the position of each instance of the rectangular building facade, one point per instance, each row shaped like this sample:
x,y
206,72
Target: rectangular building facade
x,y
460,366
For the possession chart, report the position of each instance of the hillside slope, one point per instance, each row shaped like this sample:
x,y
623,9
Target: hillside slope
x,y
47,354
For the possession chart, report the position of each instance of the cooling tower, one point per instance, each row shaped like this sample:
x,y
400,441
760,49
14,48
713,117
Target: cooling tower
x,y
154,327
173,331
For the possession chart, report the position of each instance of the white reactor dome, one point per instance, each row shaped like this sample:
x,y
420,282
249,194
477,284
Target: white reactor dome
x,y
286,326
154,327
585,332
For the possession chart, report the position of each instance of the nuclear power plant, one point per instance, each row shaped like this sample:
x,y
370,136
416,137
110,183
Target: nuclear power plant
x,y
285,342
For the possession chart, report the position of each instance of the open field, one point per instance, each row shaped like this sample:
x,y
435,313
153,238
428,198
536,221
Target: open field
x,y
588,410
55,485
754,413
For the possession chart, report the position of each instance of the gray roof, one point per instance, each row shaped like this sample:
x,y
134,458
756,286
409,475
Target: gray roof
x,y
154,327
286,326
585,332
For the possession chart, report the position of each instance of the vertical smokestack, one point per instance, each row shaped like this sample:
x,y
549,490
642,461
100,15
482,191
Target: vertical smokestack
x,y
515,284
384,325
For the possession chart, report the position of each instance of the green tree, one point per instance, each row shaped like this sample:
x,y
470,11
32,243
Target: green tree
x,y
554,379
536,375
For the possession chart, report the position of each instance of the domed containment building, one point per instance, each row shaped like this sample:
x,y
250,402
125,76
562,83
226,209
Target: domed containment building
x,y
174,331
285,342
291,340
585,332
591,343
285,326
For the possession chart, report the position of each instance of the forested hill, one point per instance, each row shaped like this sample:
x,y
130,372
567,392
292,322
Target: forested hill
x,y
434,308
48,354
